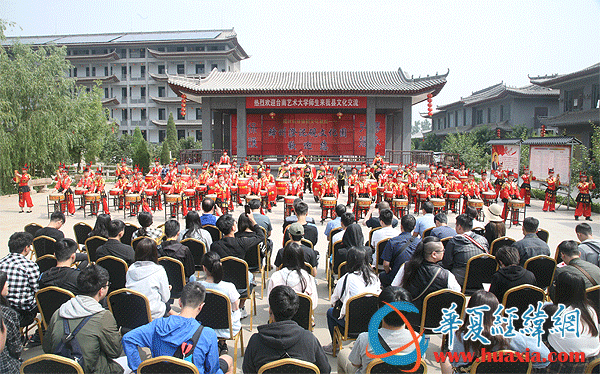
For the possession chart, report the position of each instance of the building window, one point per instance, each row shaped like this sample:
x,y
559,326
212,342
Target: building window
x,y
106,71
162,134
124,92
199,68
142,52
124,132
124,114
180,48
143,71
144,135
181,69
479,116
161,91
489,115
179,115
214,66
444,122
106,92
142,92
501,112
595,96
574,100
199,48
74,72
198,135
143,114
464,117
198,113
161,69
180,134
123,53
161,114
124,72
456,119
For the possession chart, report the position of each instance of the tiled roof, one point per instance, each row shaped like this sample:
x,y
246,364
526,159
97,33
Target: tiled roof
x,y
504,141
504,125
580,117
501,90
552,140
549,80
322,83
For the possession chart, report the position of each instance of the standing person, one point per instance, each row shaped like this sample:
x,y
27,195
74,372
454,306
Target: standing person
x,y
98,187
495,228
24,190
589,247
10,357
508,192
553,185
341,178
64,186
584,201
527,177
194,230
531,245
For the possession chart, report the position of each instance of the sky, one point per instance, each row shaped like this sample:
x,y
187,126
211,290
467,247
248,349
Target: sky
x,y
481,42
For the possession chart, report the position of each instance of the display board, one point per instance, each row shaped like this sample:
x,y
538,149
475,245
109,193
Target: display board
x,y
543,157
508,155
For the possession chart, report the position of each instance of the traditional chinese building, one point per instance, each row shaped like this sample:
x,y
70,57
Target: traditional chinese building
x,y
327,114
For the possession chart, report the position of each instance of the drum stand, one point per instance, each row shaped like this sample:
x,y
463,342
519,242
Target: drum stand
x,y
360,211
516,213
93,208
327,213
174,208
53,206
134,207
190,201
287,211
451,204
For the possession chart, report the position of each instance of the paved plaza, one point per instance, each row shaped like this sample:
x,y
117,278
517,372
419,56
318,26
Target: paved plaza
x,y
561,226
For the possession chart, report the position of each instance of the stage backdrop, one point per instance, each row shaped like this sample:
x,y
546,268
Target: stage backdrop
x,y
313,133
542,158
509,155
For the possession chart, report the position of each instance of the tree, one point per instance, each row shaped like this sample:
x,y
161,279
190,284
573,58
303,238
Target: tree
x,y
189,143
141,156
172,136
116,147
420,125
165,158
469,151
431,142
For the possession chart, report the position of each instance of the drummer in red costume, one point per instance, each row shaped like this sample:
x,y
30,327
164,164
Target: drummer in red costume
x,y
434,189
584,201
527,177
422,186
484,184
254,184
301,159
295,187
86,183
510,191
453,185
22,181
362,188
187,170
470,190
156,169
329,187
553,184
139,187
223,194
177,188
64,185
264,190
500,175
224,160
99,186
246,170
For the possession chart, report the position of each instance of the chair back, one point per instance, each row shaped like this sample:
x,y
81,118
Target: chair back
x,y
342,269
480,269
49,363
543,268
433,304
371,235
359,310
303,316
307,243
46,262
49,299
117,271
128,306
379,247
32,228
543,234
216,312
130,228
214,232
378,366
235,270
504,365
479,231
92,244
288,366
427,232
593,367
252,257
593,295
333,232
81,231
336,259
198,249
167,365
445,241
501,242
175,274
135,241
43,245
521,297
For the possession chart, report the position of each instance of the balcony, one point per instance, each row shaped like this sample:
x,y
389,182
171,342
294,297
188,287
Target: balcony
x,y
137,78
138,101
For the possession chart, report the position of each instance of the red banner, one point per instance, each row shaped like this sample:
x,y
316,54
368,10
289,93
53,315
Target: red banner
x,y
315,134
306,102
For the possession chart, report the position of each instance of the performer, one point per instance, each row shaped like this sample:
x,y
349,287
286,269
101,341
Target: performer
x,y
187,170
484,184
362,188
254,184
422,186
321,172
246,170
177,188
378,160
224,160
261,166
307,174
87,183
329,187
122,183
553,184
23,187
139,187
527,177
500,175
294,187
453,185
223,194
65,186
584,201
99,185
470,191
510,191
301,159
341,177
156,170
123,169
264,190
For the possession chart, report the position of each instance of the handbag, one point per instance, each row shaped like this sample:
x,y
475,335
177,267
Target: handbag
x,y
337,307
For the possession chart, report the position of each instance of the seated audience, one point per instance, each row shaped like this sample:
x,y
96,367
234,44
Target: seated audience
x,y
99,338
251,232
531,246
146,276
310,231
293,218
346,220
441,229
423,273
360,278
208,210
337,221
114,247
23,275
263,221
385,232
372,221
57,220
510,274
296,231
194,230
145,221
172,248
398,250
495,228
63,275
569,253
164,336
232,245
474,215
283,338
464,245
10,358
426,220
101,226
589,247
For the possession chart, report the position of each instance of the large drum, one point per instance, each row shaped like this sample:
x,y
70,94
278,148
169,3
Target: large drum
x,y
57,196
488,195
281,184
172,199
412,191
132,198
400,203
150,192
79,191
516,204
475,203
92,197
289,200
189,192
329,202
186,177
316,187
422,195
463,179
388,195
363,202
212,196
224,166
243,186
452,195
252,197
380,190
115,192
373,183
438,203
166,188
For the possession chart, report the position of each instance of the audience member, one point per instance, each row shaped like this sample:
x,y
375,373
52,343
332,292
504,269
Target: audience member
x,y
208,209
99,338
569,253
337,221
296,231
57,220
101,226
589,247
423,274
164,336
441,229
426,220
23,275
398,250
247,230
146,276
385,232
63,275
172,248
495,228
10,358
232,245
145,221
360,278
114,247
293,218
310,231
510,274
283,338
531,245
372,221
194,230
464,245
346,220
474,215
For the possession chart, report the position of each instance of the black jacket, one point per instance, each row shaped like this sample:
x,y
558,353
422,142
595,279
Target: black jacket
x,y
458,252
421,279
113,247
508,277
283,339
178,251
62,277
238,245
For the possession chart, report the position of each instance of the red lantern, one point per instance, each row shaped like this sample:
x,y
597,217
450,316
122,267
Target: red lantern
x,y
543,131
430,113
498,133
339,115
429,105
429,96
272,115
183,96
183,105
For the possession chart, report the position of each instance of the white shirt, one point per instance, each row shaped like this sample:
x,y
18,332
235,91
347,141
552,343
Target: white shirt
x,y
452,283
379,235
338,236
291,278
354,286
586,343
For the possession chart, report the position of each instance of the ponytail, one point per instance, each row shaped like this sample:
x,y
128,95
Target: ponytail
x,y
212,262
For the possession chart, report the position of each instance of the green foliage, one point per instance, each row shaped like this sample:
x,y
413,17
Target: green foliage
x,y
189,143
141,156
116,147
164,154
470,152
420,125
429,143
172,136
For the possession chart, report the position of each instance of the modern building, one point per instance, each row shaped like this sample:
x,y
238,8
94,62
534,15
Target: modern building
x,y
579,102
133,69
496,107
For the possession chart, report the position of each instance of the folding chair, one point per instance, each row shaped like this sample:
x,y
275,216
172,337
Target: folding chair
x,y
81,231
235,270
167,364
480,269
378,366
128,306
593,295
46,262
333,232
254,261
130,228
432,308
49,363
303,316
359,310
379,247
593,367
543,234
521,297
43,245
333,267
371,235
543,268
117,271
501,242
288,366
175,274
91,245
32,228
214,232
198,249
48,300
427,231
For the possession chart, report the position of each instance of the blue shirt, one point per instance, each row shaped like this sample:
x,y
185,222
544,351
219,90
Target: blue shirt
x,y
333,225
208,219
443,232
393,246
424,222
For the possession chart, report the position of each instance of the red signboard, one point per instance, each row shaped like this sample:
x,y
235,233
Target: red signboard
x,y
306,102
313,133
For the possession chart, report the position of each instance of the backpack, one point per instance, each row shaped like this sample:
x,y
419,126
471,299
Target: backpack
x,y
185,351
69,346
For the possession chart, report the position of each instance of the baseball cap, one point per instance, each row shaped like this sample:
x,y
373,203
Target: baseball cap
x,y
296,229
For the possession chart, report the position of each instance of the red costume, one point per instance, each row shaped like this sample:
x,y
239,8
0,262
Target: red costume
x,y
584,202
508,192
553,184
99,186
24,190
526,187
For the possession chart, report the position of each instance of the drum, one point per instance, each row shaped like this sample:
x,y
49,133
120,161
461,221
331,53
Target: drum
x,y
475,203
252,197
79,191
452,195
289,200
264,193
173,199
132,198
186,177
488,195
438,203
165,188
212,196
388,195
422,195
329,202
56,196
91,197
350,190
224,166
233,188
412,191
115,192
463,179
149,178
400,203
243,186
380,190
150,192
201,188
316,187
281,184
363,202
516,204
189,192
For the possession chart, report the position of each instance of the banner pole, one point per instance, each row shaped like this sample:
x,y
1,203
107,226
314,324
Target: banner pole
x,y
570,165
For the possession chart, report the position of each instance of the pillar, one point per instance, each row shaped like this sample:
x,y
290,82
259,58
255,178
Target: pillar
x,y
218,130
242,145
406,123
207,138
371,129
